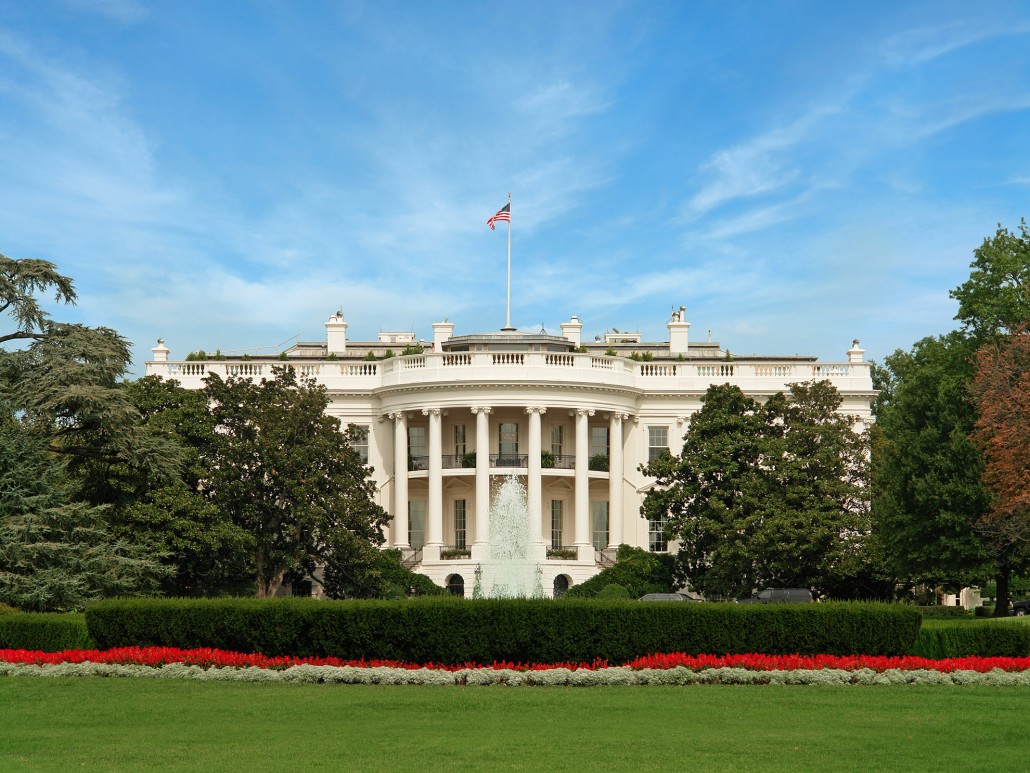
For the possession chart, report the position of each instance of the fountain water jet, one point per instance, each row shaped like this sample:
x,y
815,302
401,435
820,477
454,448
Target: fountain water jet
x,y
509,572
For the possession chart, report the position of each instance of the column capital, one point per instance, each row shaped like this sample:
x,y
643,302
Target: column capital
x,y
431,411
582,412
536,409
481,409
619,417
397,415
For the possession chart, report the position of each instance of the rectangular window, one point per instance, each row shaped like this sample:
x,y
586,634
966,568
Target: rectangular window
x,y
599,523
557,440
599,441
508,445
460,535
417,458
657,542
417,523
459,440
360,442
416,441
657,442
557,520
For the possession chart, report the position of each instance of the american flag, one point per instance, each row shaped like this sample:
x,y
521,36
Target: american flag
x,y
504,213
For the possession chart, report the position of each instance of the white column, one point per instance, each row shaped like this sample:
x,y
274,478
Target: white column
x,y
434,507
400,480
583,486
534,487
615,478
482,482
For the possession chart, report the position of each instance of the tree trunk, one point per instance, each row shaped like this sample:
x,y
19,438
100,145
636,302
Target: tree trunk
x,y
1001,602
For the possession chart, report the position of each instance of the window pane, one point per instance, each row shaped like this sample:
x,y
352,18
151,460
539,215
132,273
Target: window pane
x,y
599,522
416,441
459,440
598,441
557,521
557,440
459,523
509,439
360,442
417,523
657,441
657,542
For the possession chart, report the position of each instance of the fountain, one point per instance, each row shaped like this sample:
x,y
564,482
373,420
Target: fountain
x,y
509,572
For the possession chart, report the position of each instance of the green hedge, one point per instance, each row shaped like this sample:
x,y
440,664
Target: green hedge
x,y
987,638
449,630
45,631
940,611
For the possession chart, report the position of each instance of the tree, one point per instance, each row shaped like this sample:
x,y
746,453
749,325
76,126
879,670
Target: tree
x,y
773,494
926,473
1001,386
283,471
64,383
996,297
207,552
20,281
56,555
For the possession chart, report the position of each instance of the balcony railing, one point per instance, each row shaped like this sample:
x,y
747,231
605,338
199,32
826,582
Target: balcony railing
x,y
606,557
455,552
562,553
416,463
551,461
459,461
509,460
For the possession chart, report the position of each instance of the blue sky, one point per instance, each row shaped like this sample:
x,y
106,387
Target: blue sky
x,y
797,174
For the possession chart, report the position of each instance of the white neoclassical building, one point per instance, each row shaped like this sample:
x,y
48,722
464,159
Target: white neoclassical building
x,y
574,419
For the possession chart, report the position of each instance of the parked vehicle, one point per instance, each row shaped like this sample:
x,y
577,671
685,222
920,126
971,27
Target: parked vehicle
x,y
1021,608
779,596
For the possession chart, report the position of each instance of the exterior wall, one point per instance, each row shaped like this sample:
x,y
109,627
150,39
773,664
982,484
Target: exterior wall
x,y
440,390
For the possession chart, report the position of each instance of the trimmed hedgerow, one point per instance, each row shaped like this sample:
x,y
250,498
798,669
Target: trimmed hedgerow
x,y
454,631
941,611
986,638
46,631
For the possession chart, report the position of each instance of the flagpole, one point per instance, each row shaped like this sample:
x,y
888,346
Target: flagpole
x,y
507,316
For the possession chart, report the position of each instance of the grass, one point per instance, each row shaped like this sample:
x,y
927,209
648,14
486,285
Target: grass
x,y
88,724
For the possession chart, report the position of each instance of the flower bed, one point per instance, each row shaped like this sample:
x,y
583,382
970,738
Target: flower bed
x,y
674,668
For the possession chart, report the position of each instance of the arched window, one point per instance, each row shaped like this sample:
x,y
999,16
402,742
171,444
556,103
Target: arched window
x,y
456,585
561,584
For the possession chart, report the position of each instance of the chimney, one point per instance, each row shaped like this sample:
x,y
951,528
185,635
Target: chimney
x,y
441,332
679,332
572,329
336,334
160,351
855,353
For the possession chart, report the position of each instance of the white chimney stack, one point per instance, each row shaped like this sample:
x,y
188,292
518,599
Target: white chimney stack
x,y
336,334
679,332
572,330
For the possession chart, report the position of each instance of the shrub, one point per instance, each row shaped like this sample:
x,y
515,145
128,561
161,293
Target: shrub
x,y
939,611
613,591
598,463
637,570
45,631
986,638
454,631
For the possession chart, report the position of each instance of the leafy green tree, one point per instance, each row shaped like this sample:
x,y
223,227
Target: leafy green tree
x,y
996,297
64,384
764,495
382,577
20,282
282,470
927,474
56,555
207,552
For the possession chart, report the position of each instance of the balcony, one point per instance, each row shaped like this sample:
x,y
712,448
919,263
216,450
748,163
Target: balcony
x,y
455,552
562,553
509,460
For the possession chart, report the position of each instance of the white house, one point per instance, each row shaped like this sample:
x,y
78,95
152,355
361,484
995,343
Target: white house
x,y
574,419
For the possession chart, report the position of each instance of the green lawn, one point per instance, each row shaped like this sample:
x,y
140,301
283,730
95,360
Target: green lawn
x,y
88,724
